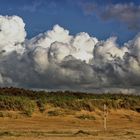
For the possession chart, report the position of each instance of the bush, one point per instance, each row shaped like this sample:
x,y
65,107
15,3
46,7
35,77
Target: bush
x,y
86,117
17,103
29,108
5,114
54,113
41,103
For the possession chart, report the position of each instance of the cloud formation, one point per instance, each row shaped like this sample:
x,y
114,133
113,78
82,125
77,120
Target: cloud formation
x,y
128,13
12,33
57,60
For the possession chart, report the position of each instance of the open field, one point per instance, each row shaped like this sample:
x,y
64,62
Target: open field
x,y
121,124
69,117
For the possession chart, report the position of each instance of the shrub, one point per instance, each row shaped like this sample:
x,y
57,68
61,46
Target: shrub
x,y
5,114
86,117
54,113
17,103
41,103
29,108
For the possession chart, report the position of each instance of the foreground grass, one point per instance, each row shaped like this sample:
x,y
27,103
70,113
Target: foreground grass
x,y
80,134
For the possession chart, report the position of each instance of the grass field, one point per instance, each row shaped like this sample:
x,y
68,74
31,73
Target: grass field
x,y
31,115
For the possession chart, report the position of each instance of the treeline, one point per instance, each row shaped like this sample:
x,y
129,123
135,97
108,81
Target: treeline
x,y
26,100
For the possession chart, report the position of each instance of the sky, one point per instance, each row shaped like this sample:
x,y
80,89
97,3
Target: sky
x,y
84,45
77,16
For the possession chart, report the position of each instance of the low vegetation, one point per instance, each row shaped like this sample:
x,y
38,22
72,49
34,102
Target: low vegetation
x,y
86,117
55,113
27,100
17,103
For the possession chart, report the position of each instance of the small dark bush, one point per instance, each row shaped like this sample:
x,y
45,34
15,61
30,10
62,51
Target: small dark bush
x,y
86,117
54,113
41,103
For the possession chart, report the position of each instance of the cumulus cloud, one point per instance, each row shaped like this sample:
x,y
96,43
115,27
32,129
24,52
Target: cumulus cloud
x,y
108,50
12,33
44,40
84,46
57,60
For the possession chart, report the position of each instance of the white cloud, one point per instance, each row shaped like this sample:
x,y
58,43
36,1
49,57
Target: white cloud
x,y
12,33
108,50
46,39
84,46
58,60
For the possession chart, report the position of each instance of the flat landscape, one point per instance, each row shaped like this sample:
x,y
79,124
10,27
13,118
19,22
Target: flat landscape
x,y
69,117
69,69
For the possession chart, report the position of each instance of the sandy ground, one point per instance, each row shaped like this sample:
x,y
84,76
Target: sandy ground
x,y
121,124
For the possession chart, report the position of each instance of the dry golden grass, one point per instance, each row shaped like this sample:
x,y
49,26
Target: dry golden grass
x,y
121,124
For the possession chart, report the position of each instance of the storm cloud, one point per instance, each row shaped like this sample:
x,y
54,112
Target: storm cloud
x,y
57,60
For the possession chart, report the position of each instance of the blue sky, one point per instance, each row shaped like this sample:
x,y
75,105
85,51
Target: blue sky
x,y
78,16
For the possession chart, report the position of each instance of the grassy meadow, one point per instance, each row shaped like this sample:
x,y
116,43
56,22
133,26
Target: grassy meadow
x,y
27,114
